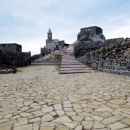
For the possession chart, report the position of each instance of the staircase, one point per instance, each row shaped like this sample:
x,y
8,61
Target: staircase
x,y
70,65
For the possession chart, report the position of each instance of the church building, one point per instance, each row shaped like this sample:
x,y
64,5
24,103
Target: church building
x,y
52,44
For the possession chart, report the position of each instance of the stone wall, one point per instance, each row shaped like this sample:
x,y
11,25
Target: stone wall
x,y
112,56
81,47
10,47
17,59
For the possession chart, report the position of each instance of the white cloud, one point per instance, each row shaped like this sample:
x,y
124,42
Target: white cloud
x,y
123,31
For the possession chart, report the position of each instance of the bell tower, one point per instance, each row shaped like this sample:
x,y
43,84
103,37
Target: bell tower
x,y
49,35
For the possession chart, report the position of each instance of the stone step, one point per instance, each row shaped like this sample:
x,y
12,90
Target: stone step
x,y
74,68
70,65
75,71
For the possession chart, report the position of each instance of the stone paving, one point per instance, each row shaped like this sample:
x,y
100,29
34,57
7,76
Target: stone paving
x,y
38,98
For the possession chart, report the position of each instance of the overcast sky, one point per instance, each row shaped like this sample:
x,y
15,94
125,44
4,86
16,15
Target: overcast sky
x,y
27,21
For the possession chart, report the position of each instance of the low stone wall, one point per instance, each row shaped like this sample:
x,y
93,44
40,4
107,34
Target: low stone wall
x,y
17,59
113,56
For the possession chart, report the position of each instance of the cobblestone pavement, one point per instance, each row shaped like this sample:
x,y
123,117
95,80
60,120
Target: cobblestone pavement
x,y
38,98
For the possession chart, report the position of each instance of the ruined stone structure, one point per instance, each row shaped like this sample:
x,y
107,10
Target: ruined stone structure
x,y
11,55
89,39
95,33
112,55
52,44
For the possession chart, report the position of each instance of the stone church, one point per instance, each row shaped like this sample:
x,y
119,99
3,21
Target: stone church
x,y
52,44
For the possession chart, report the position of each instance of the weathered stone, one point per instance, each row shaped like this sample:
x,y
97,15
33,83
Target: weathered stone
x,y
97,118
60,112
109,120
104,109
67,105
7,116
63,119
22,119
68,109
1,117
113,106
70,113
73,99
24,127
34,120
47,109
84,105
48,124
47,117
7,125
25,114
106,114
77,106
27,103
80,127
118,101
125,129
22,122
70,125
84,97
117,126
126,121
47,128
36,126
58,107
24,108
88,119
78,110
37,106
128,99
42,103
66,102
98,125
88,124
77,118
53,113
3,120
62,127
16,117
126,105
38,113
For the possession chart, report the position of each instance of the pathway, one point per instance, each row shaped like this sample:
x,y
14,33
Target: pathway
x,y
39,98
70,65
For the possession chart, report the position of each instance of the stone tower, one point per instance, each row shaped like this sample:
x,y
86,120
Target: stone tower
x,y
49,35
